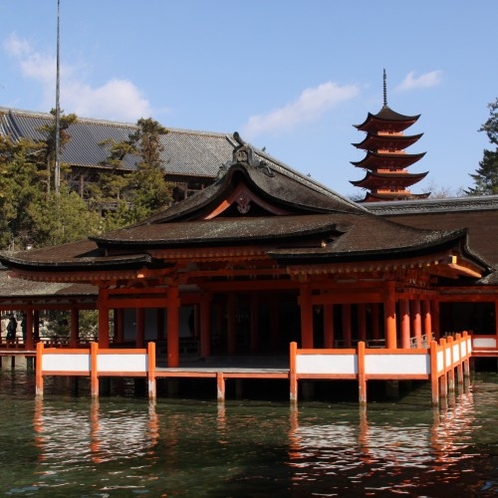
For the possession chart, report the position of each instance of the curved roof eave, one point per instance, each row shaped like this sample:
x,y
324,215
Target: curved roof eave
x,y
106,263
386,114
454,239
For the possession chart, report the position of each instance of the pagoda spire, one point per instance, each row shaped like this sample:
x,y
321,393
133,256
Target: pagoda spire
x,y
384,81
386,162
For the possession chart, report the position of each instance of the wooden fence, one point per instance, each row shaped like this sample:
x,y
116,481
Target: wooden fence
x,y
440,364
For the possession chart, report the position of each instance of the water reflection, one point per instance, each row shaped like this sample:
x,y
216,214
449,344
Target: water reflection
x,y
179,448
379,453
72,436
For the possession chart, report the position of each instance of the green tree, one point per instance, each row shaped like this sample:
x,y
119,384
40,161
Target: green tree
x,y
29,216
20,181
139,193
62,218
486,176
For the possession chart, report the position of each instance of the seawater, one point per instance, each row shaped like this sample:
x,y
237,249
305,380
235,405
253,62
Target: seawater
x,y
122,446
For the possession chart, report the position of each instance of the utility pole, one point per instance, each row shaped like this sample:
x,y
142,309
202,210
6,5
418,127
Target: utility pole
x,y
57,168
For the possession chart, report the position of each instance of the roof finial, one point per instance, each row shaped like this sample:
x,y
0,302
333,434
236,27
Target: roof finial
x,y
385,88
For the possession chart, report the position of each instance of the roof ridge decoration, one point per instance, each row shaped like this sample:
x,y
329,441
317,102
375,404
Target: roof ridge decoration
x,y
244,154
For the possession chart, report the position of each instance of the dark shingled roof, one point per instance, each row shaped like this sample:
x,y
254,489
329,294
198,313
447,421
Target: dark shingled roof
x,y
478,214
186,152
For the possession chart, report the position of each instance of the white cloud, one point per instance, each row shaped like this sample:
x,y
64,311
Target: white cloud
x,y
311,104
426,80
117,99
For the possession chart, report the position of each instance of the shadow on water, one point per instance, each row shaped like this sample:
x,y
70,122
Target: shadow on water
x,y
71,445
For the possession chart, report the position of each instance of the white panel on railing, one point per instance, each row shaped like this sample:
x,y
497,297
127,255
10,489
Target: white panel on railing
x,y
126,363
66,362
440,361
456,353
482,342
398,364
326,364
447,352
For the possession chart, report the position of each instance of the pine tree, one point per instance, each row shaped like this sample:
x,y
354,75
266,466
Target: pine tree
x,y
134,195
486,176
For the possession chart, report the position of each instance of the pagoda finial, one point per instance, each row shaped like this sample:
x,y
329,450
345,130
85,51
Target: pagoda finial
x,y
385,87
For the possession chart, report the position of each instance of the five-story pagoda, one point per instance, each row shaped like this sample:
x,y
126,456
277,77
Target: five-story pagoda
x,y
386,162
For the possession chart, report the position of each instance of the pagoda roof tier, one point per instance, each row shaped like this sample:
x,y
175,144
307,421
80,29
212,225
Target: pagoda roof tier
x,y
376,160
395,196
387,142
375,180
386,120
253,217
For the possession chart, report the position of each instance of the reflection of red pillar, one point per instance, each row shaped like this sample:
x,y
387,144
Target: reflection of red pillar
x,y
306,316
404,309
38,428
173,327
153,425
328,325
95,431
416,321
346,325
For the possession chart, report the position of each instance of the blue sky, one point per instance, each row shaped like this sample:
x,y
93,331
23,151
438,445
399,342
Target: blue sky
x,y
291,76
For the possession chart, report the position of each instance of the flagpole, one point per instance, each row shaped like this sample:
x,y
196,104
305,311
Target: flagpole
x,y
57,169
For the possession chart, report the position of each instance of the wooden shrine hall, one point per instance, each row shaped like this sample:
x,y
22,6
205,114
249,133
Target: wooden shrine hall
x,y
262,258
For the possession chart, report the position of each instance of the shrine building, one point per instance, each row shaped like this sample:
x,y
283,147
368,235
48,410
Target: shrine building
x,y
255,258
262,258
